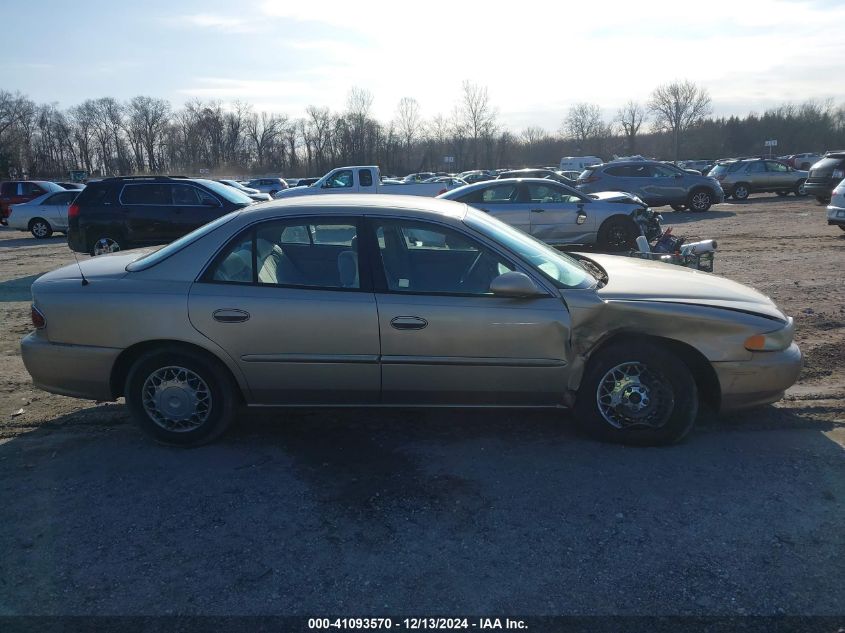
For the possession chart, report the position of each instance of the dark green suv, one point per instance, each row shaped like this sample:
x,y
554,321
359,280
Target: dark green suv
x,y
119,213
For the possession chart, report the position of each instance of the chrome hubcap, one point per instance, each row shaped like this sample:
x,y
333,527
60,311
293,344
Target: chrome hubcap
x,y
632,395
741,193
176,399
106,245
40,229
801,189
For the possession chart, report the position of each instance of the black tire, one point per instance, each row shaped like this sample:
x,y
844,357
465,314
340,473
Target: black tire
x,y
678,207
671,417
799,188
741,191
700,200
40,228
618,233
213,416
842,226
782,193
106,244
822,200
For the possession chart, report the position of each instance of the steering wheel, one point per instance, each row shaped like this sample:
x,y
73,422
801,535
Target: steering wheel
x,y
469,271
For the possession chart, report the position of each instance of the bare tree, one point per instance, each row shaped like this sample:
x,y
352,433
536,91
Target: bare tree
x,y
408,124
475,116
631,117
148,119
584,125
263,131
677,107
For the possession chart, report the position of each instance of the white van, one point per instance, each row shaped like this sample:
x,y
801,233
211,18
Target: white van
x,y
578,163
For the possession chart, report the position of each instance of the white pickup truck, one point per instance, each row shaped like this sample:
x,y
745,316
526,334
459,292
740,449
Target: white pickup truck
x,y
363,179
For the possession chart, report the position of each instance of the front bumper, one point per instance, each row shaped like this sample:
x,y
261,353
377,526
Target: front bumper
x,y
79,371
820,189
761,380
836,216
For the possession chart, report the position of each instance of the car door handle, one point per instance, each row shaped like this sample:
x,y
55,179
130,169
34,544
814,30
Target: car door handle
x,y
230,315
408,323
537,210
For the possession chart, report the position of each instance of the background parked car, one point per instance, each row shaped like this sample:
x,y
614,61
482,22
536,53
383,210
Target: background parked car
x,y
256,195
476,175
824,175
701,166
836,209
119,213
306,182
740,178
72,186
536,173
803,161
655,183
452,181
268,185
18,191
561,215
43,215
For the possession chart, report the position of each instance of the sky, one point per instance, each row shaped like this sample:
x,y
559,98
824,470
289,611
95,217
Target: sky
x,y
537,59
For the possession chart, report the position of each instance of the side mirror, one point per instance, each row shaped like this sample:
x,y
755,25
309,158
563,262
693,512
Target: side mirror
x,y
516,285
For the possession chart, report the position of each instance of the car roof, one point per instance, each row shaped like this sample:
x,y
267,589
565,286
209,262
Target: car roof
x,y
369,204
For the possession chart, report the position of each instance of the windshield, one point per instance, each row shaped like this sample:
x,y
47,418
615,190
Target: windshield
x,y
147,261
563,271
225,191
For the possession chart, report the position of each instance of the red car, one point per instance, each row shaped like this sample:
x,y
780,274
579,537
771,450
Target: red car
x,y
18,191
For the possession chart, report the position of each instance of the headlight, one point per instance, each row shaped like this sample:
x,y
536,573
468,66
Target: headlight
x,y
771,341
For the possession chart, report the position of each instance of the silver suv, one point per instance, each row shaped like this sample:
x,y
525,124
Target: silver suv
x,y
653,182
739,178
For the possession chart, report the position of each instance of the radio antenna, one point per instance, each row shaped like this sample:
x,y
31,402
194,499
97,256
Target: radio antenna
x,y
82,274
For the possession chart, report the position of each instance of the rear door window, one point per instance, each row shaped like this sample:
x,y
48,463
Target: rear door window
x,y
499,194
365,177
146,194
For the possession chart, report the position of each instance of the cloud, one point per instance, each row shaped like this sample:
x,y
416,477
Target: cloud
x,y
214,21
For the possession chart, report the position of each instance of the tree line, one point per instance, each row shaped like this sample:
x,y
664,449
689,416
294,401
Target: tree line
x,y
147,135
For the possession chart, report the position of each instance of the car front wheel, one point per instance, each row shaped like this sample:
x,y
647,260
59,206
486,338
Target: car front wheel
x,y
617,234
700,200
799,188
40,229
637,393
180,398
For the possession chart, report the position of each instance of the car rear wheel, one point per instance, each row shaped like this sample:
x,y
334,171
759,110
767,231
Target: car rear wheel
x,y
822,200
782,193
799,188
637,393
40,228
700,200
105,245
741,191
180,398
617,234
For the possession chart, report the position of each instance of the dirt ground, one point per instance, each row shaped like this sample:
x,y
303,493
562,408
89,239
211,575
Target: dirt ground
x,y
375,512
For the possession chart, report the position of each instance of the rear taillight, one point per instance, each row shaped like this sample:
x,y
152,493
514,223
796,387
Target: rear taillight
x,y
73,211
38,320
583,181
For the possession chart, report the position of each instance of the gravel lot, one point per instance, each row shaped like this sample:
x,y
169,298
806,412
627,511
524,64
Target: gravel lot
x,y
375,512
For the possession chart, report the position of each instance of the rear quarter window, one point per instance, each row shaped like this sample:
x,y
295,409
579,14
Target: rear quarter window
x,y
92,196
